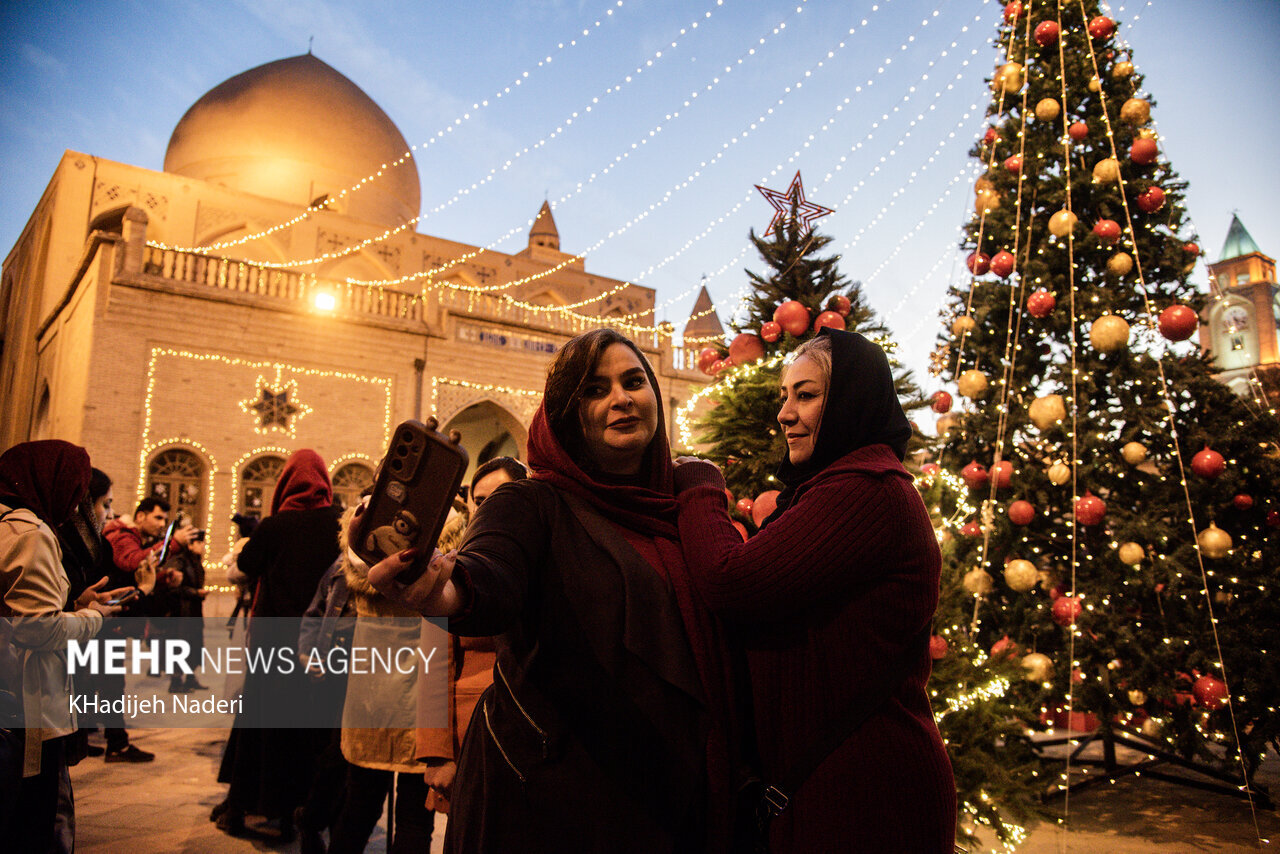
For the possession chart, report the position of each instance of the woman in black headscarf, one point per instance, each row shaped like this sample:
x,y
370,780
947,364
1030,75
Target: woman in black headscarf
x,y
834,597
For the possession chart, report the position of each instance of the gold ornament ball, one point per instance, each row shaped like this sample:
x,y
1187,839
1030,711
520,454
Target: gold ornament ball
x,y
1062,223
978,582
1009,79
1047,411
963,325
983,185
1137,697
1059,473
946,424
986,201
1132,553
972,384
1135,111
1020,575
1106,171
1047,109
1152,728
1109,334
1095,85
1121,70
1039,667
1214,542
1134,453
1120,264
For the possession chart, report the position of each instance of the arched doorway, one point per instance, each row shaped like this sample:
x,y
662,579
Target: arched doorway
x,y
176,476
488,431
349,480
258,485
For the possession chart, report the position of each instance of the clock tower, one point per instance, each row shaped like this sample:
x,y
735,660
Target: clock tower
x,y
1241,326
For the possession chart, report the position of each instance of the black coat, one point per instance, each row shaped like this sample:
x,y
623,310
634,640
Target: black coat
x,y
593,733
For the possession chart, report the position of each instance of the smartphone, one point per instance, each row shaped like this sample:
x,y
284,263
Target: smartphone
x,y
131,594
412,495
168,538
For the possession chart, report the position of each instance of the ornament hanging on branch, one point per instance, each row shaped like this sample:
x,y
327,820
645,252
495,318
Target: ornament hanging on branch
x,y
1134,453
1046,411
1178,322
1041,303
1021,512
1046,33
1214,542
1208,463
1038,666
746,348
1021,575
793,317
1144,151
771,331
1066,610
941,402
828,320
972,384
1090,509
1002,263
1109,334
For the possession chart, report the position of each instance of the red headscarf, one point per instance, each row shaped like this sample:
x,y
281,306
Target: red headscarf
x,y
303,485
50,478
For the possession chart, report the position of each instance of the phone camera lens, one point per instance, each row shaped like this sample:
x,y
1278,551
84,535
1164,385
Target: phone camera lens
x,y
402,450
397,465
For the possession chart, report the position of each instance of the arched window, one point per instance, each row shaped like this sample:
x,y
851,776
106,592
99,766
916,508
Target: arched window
x,y
258,485
349,481
177,476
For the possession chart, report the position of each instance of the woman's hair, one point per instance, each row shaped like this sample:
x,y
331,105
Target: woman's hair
x,y
818,349
99,483
567,375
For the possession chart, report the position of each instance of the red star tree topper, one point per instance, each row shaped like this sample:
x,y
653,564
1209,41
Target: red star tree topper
x,y
805,212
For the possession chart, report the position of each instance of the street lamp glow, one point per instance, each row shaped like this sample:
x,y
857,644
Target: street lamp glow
x,y
325,301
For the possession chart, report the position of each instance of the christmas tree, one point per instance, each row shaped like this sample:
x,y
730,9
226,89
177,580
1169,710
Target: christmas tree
x,y
1117,533
800,291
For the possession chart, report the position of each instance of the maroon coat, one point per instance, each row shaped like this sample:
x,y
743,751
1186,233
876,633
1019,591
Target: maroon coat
x,y
826,599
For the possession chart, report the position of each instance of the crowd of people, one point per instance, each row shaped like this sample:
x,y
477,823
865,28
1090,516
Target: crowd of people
x,y
625,670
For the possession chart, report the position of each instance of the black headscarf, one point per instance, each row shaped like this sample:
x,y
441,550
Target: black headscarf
x,y
861,409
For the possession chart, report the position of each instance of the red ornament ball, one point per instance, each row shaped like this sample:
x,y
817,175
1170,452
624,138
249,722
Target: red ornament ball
x,y
1102,27
793,317
744,506
975,474
1144,151
941,402
1021,512
1090,509
828,319
1066,610
1178,322
1002,263
718,365
840,305
1243,501
1151,199
990,136
1273,518
1079,131
930,469
979,263
746,348
1191,248
707,357
1040,303
1046,33
764,505
1208,463
1012,10
1209,692
971,529
770,331
1107,230
1013,164
938,647
1002,473
1004,647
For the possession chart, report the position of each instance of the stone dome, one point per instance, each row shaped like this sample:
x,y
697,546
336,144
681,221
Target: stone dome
x,y
297,130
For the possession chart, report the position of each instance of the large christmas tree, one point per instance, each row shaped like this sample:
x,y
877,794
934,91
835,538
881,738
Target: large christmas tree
x,y
799,291
1120,538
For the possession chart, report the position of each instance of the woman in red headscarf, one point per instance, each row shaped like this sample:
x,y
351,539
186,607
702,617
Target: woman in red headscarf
x,y
269,769
607,728
41,485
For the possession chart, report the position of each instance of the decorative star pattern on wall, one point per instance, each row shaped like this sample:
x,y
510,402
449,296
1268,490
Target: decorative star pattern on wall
x,y
806,212
276,406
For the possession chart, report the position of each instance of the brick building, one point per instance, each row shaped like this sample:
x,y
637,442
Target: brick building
x,y
193,326
1242,328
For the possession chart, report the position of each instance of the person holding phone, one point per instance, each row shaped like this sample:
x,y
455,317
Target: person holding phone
x,y
608,719
147,533
833,599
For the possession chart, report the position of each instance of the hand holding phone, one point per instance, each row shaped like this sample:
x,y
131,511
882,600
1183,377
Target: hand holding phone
x,y
123,595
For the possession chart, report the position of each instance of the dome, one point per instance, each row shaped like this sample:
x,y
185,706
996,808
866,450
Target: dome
x,y
297,130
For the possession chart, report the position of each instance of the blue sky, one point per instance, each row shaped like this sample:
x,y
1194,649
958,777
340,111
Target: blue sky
x,y
672,198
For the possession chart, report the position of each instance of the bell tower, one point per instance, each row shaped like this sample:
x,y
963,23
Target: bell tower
x,y
1241,330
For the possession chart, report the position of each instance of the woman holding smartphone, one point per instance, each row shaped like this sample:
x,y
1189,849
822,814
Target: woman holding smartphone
x,y
607,726
833,598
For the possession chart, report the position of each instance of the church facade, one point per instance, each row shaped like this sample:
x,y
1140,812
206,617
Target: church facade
x,y
268,291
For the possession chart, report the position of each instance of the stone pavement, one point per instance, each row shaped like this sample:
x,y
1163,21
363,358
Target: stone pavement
x,y
164,806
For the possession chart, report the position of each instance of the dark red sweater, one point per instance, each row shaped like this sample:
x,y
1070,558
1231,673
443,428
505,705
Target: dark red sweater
x,y
825,599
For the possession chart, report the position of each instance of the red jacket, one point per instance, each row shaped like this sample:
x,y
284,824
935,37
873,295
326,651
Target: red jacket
x,y
826,599
127,550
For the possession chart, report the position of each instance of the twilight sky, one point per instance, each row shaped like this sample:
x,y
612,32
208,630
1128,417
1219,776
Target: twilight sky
x,y
879,120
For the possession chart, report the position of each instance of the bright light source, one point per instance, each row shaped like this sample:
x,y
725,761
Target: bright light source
x,y
326,302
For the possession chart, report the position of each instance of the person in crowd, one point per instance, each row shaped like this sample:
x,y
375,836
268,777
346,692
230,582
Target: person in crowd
x,y
134,540
608,721
833,600
184,602
471,659
244,596
41,485
87,556
269,770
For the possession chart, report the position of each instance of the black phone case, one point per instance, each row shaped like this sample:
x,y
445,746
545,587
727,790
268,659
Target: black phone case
x,y
414,490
